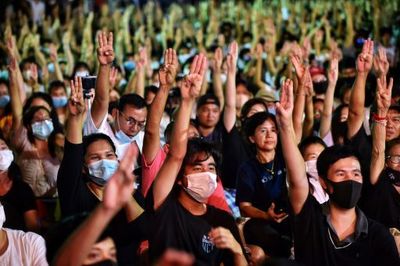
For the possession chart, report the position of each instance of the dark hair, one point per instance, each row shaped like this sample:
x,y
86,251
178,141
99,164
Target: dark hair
x,y
339,129
170,126
51,142
309,141
198,146
255,120
5,82
151,88
44,96
56,84
390,144
133,99
27,119
89,139
249,104
80,64
331,155
208,99
60,232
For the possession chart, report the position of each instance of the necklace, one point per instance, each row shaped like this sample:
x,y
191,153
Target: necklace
x,y
264,164
271,171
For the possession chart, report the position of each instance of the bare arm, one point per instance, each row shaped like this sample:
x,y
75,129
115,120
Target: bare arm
x,y
76,112
216,76
167,73
296,172
117,193
357,98
326,117
383,97
190,89
105,56
230,91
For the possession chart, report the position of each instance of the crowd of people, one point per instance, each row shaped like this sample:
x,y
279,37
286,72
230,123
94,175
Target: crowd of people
x,y
200,133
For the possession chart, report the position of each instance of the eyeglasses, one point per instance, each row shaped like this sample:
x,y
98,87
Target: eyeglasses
x,y
394,158
130,121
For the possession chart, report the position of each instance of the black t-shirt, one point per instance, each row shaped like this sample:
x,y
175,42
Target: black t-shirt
x,y
383,203
235,151
257,185
314,245
75,197
16,202
175,227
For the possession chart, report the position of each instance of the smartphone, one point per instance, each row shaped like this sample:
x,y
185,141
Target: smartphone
x,y
88,83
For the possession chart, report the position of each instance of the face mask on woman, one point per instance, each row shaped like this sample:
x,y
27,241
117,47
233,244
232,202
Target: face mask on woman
x,y
201,185
102,170
42,129
6,158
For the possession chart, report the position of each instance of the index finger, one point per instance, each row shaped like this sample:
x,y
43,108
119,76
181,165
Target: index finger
x,y
203,66
193,65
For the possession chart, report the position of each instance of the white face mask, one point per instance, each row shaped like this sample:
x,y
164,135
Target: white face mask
x,y
27,74
103,169
201,185
6,158
2,216
311,168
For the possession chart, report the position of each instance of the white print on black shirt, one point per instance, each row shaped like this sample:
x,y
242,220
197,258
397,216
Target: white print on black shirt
x,y
207,244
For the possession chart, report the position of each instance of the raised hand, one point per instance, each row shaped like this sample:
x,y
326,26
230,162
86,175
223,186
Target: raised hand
x,y
284,108
142,61
383,94
231,58
113,77
333,72
299,68
105,52
119,187
217,60
381,64
34,73
53,53
191,84
364,59
76,104
168,70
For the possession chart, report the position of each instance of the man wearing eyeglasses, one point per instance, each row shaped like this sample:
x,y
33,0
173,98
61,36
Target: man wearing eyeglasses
x,y
130,114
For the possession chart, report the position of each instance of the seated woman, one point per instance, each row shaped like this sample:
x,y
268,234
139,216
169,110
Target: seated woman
x,y
15,195
30,131
261,189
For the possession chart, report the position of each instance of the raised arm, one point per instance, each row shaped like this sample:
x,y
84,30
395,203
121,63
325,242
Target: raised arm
x,y
296,172
54,60
166,75
76,112
216,76
326,117
190,89
230,91
381,64
357,97
117,193
105,56
383,97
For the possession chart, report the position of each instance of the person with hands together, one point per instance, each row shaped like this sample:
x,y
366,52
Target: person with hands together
x,y
261,188
181,219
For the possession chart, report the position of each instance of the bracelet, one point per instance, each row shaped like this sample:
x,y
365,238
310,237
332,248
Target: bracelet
x,y
380,122
376,117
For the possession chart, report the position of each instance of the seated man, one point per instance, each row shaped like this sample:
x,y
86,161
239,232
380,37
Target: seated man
x,y
20,248
340,234
180,217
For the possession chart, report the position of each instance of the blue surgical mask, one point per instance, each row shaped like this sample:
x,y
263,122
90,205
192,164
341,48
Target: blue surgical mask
x,y
103,169
122,137
42,129
60,101
183,58
4,100
4,74
51,68
272,110
129,65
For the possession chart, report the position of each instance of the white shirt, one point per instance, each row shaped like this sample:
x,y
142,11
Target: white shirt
x,y
38,9
105,128
24,249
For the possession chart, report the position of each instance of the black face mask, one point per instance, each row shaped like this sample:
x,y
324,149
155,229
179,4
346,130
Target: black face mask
x,y
104,263
393,176
346,193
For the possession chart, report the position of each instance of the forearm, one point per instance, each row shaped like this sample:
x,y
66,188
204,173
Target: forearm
x,y
140,81
253,212
298,112
230,102
308,123
74,129
57,70
101,99
326,117
78,246
217,86
356,105
378,147
132,210
151,142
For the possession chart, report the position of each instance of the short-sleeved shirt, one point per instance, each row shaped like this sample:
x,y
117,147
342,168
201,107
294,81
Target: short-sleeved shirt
x,y
383,203
16,202
314,240
173,226
259,186
39,172
89,128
